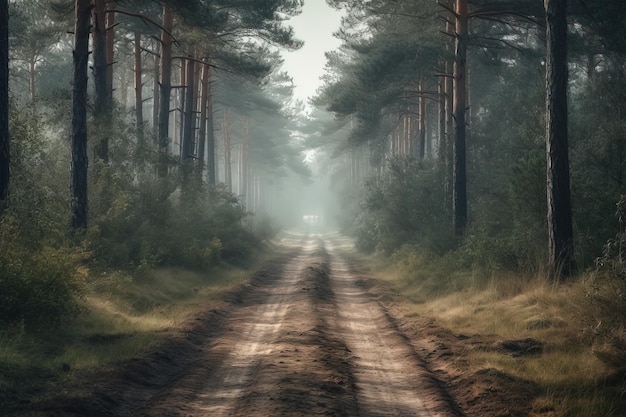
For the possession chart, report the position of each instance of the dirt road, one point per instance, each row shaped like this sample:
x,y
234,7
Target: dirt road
x,y
308,339
311,334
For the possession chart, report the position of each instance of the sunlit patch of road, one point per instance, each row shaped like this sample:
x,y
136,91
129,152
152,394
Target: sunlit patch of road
x,y
388,374
240,367
306,339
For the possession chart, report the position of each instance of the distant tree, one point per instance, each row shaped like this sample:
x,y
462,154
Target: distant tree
x,y
102,98
165,87
4,103
225,46
560,230
110,46
138,83
459,171
33,33
79,161
189,115
206,122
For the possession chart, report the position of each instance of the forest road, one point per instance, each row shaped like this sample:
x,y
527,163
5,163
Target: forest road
x,y
306,339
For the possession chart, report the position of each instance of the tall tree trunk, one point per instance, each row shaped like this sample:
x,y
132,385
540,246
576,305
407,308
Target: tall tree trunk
x,y
110,47
202,133
422,121
406,132
227,151
449,105
5,155
156,92
188,121
244,165
560,231
459,178
138,91
429,130
79,162
210,133
441,94
180,105
100,67
31,80
165,88
126,79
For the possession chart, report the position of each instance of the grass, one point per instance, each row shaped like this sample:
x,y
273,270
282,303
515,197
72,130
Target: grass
x,y
505,306
121,316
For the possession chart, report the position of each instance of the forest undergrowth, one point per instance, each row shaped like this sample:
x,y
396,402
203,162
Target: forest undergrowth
x,y
579,325
75,301
116,315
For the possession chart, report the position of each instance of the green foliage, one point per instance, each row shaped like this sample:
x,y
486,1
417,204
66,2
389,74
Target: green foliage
x,y
137,221
37,289
404,207
598,163
606,292
149,222
262,225
37,199
39,275
513,235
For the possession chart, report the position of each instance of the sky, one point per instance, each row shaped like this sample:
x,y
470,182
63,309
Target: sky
x,y
315,26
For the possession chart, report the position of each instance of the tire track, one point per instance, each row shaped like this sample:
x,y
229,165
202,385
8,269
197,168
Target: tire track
x,y
391,379
226,372
307,339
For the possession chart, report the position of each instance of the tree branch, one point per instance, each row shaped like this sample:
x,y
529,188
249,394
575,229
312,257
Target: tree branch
x,y
146,20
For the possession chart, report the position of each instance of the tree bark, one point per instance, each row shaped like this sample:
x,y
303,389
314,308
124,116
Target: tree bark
x,y
202,133
449,121
110,47
100,69
459,178
156,92
421,122
5,155
179,103
244,169
79,161
165,88
227,151
560,230
187,156
138,89
210,133
31,81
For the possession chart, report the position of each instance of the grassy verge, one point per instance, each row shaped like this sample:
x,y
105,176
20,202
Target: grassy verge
x,y
574,380
121,316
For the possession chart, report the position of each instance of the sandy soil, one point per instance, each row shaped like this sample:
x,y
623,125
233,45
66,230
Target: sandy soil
x,y
311,335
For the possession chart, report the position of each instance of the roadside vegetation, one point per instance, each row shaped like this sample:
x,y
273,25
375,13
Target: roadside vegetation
x,y
432,133
116,224
448,178
577,327
75,302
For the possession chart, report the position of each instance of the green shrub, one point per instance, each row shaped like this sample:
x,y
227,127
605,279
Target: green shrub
x,y
406,206
149,222
606,294
37,288
39,273
262,226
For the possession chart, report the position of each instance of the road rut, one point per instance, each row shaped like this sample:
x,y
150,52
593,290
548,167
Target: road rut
x,y
307,339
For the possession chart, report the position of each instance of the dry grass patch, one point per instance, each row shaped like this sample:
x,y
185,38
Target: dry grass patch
x,y
121,316
494,308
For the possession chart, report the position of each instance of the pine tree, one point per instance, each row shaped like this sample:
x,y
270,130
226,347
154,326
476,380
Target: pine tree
x,y
4,104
